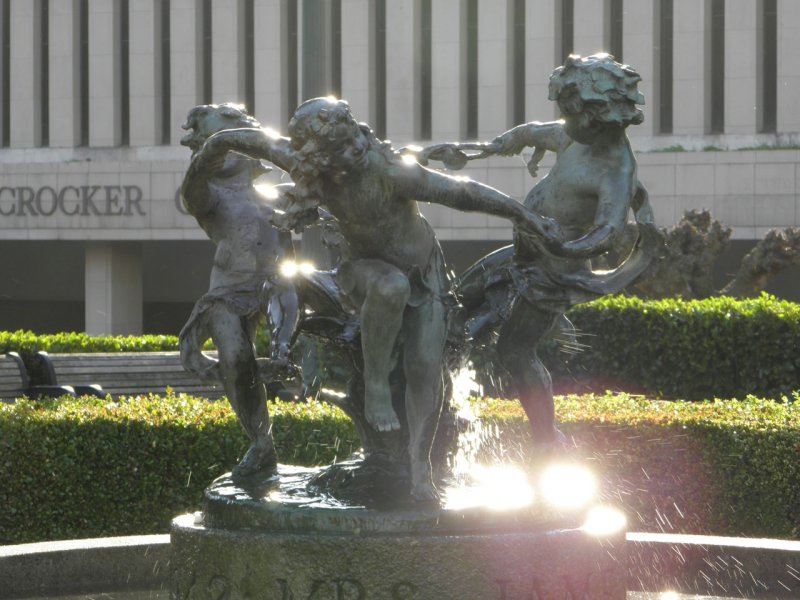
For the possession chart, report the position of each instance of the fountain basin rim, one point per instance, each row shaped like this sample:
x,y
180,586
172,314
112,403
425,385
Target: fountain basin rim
x,y
53,563
281,504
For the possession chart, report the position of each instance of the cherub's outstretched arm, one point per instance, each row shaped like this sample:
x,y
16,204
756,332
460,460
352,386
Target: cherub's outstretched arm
x,y
425,185
614,201
253,142
543,136
539,136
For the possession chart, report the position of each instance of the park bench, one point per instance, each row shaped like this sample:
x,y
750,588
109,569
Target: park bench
x,y
15,383
125,374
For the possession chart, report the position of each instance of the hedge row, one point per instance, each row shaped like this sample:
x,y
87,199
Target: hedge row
x,y
82,468
87,467
713,348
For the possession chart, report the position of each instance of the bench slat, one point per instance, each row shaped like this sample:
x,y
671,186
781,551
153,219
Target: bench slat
x,y
131,373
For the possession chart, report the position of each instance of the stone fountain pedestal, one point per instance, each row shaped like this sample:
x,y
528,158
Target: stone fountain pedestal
x,y
275,541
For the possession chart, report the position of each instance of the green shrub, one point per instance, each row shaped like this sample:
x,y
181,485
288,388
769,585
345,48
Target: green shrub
x,y
88,467
727,467
713,348
27,344
82,468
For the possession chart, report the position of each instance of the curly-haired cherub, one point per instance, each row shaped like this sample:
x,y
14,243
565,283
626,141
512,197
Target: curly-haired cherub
x,y
589,191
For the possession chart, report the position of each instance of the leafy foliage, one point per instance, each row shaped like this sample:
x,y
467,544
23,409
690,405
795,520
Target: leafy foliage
x,y
717,347
88,467
727,467
28,343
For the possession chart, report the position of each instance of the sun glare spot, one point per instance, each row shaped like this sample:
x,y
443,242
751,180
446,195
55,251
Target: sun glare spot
x,y
270,192
289,268
604,520
669,596
568,486
496,488
409,159
271,133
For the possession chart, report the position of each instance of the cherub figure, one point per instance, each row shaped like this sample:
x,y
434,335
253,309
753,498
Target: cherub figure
x,y
245,281
590,192
395,275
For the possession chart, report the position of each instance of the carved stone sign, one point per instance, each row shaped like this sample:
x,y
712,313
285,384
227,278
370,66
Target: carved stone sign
x,y
83,200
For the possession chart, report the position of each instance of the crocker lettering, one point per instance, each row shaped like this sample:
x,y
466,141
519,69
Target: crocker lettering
x,y
85,200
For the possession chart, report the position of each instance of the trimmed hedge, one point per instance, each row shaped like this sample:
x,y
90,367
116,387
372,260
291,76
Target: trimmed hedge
x,y
27,344
87,467
82,468
714,348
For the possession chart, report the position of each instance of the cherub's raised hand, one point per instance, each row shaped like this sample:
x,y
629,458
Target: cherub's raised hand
x,y
547,229
511,142
211,155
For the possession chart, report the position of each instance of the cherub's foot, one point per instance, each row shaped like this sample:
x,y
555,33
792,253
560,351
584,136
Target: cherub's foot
x,y
257,461
378,409
424,492
557,446
381,417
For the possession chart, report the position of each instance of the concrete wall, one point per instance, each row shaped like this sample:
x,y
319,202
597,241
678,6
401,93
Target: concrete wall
x,y
65,193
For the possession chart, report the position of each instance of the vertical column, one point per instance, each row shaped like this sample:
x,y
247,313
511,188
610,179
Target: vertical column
x,y
104,80
638,41
590,27
113,288
227,63
316,81
741,88
689,88
402,81
357,80
268,44
24,97
316,47
184,60
144,40
447,91
493,68
541,59
64,73
788,66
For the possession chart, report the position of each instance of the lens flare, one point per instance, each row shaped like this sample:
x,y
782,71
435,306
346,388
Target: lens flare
x,y
271,133
290,268
497,488
568,486
409,159
269,192
604,520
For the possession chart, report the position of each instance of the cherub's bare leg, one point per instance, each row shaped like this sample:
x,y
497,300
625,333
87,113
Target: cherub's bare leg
x,y
425,331
517,348
385,291
246,393
282,311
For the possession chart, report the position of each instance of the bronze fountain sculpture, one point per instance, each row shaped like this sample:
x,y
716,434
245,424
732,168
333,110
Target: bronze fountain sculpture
x,y
403,327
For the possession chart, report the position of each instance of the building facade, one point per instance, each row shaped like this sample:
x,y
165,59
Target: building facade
x,y
93,93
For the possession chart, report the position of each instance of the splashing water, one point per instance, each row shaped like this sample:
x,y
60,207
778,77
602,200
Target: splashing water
x,y
470,428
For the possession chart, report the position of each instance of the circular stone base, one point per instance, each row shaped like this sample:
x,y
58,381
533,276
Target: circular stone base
x,y
275,540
